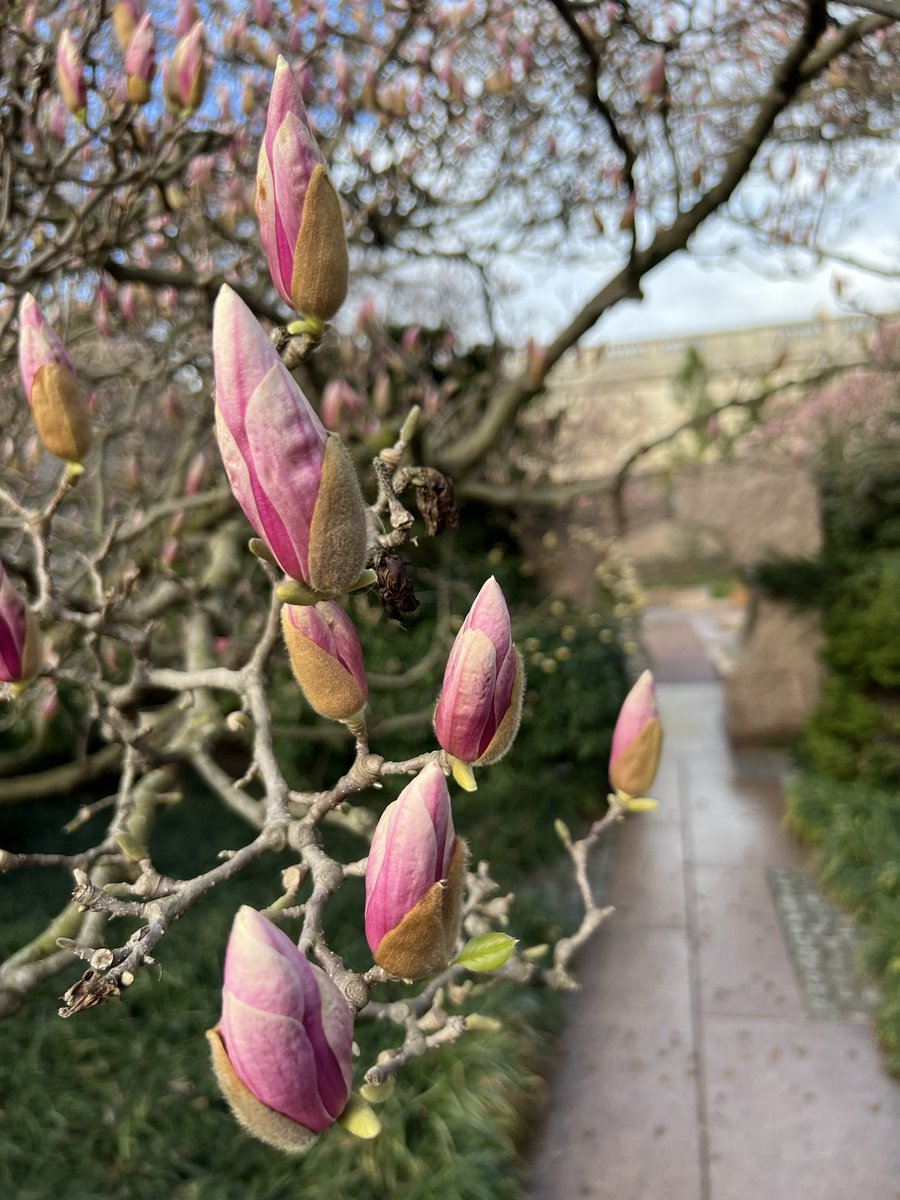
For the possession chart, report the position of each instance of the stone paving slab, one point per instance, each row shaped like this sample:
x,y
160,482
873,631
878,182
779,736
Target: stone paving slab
x,y
691,1068
798,1110
743,964
824,945
626,1126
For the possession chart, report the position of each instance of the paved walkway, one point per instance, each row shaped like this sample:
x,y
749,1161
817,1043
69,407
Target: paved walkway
x,y
691,1068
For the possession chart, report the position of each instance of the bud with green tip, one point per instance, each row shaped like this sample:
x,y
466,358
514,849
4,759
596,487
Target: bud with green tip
x,y
326,658
281,1052
636,742
414,880
70,75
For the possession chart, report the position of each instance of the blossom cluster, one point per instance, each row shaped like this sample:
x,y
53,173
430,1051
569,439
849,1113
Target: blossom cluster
x,y
282,1050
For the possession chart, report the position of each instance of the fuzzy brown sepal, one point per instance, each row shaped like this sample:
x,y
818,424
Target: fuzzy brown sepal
x,y
60,416
338,531
506,731
328,686
198,87
258,1119
425,940
33,649
634,768
136,89
124,24
321,266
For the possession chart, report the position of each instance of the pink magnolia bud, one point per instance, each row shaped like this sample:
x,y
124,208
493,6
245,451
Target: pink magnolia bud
x,y
49,705
70,75
339,399
140,62
295,481
281,1052
300,221
477,714
186,16
54,117
21,653
184,76
326,658
126,16
195,475
262,11
414,880
53,391
637,741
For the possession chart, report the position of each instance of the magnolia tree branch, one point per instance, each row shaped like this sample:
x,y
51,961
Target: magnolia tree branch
x,y
798,66
161,637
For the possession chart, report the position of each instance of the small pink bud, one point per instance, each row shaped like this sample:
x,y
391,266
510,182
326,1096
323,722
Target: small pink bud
x,y
478,711
636,741
262,12
412,336
126,16
21,652
49,705
282,1050
196,474
184,75
186,16
295,482
140,62
339,399
300,221
414,880
70,75
51,386
326,658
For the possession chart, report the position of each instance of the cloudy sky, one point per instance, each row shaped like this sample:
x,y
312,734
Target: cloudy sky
x,y
686,296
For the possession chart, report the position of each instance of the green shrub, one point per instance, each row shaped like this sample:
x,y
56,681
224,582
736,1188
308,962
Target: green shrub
x,y
120,1102
856,833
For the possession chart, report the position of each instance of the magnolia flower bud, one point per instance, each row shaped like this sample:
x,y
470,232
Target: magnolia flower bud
x,y
262,12
126,16
295,481
281,1052
414,880
326,658
53,391
70,75
478,711
637,741
184,76
300,221
185,17
21,651
140,62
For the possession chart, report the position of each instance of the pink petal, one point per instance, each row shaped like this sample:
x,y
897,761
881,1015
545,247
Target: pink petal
x,y
463,719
